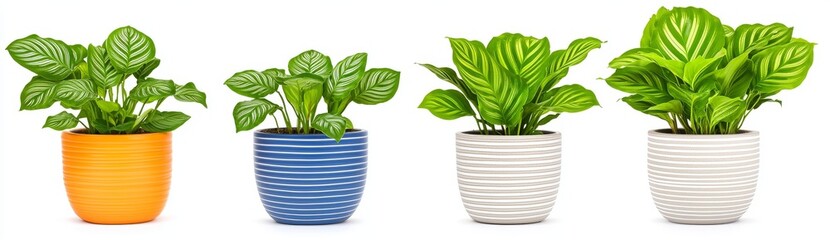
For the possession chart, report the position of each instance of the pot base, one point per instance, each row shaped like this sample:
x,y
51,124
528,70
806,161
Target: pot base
x,y
706,222
509,222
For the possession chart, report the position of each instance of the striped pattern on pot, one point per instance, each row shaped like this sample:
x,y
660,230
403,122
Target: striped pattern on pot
x,y
508,179
309,179
702,179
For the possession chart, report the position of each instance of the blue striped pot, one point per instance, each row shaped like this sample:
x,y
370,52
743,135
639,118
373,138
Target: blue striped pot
x,y
309,179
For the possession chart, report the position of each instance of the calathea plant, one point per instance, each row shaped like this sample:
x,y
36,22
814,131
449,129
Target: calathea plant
x,y
92,80
311,78
510,83
705,77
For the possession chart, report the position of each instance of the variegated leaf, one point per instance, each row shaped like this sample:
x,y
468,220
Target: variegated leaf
x,y
100,69
49,58
643,80
189,93
146,69
75,92
129,49
758,37
158,121
724,109
333,126
61,121
252,84
249,114
153,89
312,62
446,104
683,34
345,77
570,98
525,57
631,57
782,67
450,76
38,94
500,100
648,31
378,85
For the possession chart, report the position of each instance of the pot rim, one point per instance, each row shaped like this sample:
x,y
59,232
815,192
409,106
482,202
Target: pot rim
x,y
545,135
348,131
78,132
666,132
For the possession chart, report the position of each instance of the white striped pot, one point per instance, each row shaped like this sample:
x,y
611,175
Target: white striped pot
x,y
508,179
702,179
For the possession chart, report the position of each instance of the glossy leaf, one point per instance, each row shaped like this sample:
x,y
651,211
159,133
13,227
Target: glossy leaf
x,y
146,69
129,49
570,98
49,58
632,56
450,76
345,77
648,32
312,62
782,67
500,100
153,89
561,60
673,106
158,121
725,109
189,93
75,92
61,121
304,92
697,69
252,84
525,57
758,37
684,34
378,85
38,94
249,114
277,74
447,104
643,80
100,69
107,106
333,126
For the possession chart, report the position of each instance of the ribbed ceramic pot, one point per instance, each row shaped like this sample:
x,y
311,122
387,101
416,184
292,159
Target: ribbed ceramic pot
x,y
508,179
702,179
309,179
117,179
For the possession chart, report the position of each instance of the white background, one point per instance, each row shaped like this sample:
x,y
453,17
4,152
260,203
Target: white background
x,y
411,192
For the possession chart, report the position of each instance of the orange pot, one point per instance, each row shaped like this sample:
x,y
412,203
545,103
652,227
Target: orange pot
x,y
117,179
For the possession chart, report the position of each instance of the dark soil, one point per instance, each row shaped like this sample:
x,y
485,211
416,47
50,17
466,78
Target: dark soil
x,y
86,131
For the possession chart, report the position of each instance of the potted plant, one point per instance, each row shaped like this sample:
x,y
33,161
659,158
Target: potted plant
x,y
116,168
704,78
508,169
313,171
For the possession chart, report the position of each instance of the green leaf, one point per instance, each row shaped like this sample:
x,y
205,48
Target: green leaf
x,y
49,58
61,121
345,77
378,85
570,98
312,62
146,69
632,56
673,106
684,34
304,93
189,93
75,92
38,94
643,80
547,119
640,103
278,75
782,67
158,121
645,41
151,89
107,106
447,104
674,66
500,100
525,57
449,75
78,53
100,69
725,109
735,77
252,84
249,114
334,126
757,37
561,60
129,49
697,69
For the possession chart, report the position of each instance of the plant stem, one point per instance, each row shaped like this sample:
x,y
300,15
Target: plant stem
x,y
275,121
285,113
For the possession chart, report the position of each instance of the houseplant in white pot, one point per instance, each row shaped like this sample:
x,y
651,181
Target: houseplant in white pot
x,y
117,168
311,172
704,78
508,169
